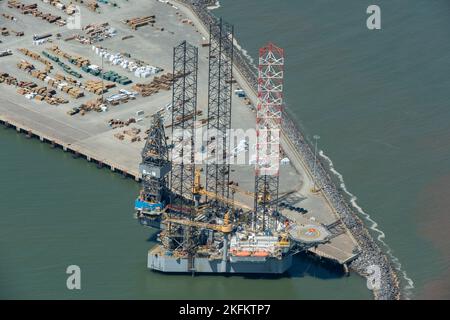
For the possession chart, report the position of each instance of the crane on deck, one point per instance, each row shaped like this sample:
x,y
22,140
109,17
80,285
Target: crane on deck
x,y
198,190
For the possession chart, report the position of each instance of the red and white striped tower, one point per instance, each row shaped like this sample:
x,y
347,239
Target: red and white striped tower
x,y
268,127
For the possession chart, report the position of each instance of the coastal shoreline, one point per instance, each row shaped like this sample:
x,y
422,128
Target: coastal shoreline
x,y
370,254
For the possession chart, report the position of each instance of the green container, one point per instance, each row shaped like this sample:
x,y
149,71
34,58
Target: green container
x,y
75,74
125,81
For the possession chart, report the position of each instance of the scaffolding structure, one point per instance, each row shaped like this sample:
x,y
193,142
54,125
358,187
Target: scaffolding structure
x,y
268,128
184,110
219,112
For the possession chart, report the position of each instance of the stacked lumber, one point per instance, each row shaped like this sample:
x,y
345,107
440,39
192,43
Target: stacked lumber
x,y
145,89
96,32
132,133
41,75
18,33
73,92
98,87
5,32
137,22
79,61
54,83
180,119
90,4
25,65
41,94
26,84
119,136
56,3
59,52
37,57
33,10
22,7
71,9
7,79
8,16
163,82
116,123
68,79
91,105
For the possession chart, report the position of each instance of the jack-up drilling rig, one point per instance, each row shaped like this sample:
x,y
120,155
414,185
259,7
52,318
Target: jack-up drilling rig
x,y
203,229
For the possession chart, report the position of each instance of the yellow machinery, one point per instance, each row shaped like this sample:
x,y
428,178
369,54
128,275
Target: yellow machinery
x,y
235,188
200,191
227,227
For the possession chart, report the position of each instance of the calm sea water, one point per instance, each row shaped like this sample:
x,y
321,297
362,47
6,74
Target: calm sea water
x,y
378,99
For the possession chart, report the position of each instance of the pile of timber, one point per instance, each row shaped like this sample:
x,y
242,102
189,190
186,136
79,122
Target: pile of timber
x,y
96,32
180,119
132,133
5,32
163,82
137,22
60,84
41,93
92,105
59,5
97,86
71,9
7,79
38,74
37,57
119,136
116,123
68,79
32,9
145,89
25,65
79,61
55,83
91,4
26,84
8,17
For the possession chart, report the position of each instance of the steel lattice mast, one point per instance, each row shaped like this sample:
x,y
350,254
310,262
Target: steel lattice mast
x,y
155,163
268,125
219,110
184,110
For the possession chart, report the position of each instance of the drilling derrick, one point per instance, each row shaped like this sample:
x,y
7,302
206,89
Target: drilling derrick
x,y
268,125
219,112
154,169
184,110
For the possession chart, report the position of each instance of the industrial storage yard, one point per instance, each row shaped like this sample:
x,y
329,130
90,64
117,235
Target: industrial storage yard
x,y
95,92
